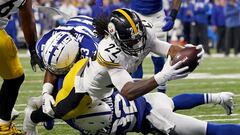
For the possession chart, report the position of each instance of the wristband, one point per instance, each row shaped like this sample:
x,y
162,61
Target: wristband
x,y
159,78
47,88
174,13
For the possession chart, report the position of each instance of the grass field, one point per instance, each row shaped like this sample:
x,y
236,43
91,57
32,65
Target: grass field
x,y
215,75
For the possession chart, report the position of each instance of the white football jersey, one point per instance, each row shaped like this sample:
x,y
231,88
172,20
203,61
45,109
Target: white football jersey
x,y
112,66
8,7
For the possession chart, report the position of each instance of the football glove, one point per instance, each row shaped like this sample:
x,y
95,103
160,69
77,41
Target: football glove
x,y
171,72
35,61
47,103
169,19
169,23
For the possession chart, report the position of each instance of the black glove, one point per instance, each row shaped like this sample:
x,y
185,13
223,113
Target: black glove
x,y
35,60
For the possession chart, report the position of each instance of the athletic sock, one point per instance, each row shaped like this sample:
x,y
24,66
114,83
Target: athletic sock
x,y
223,129
187,101
212,98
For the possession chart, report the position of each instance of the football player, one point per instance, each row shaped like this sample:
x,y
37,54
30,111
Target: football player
x,y
151,113
10,68
59,49
69,103
127,42
153,12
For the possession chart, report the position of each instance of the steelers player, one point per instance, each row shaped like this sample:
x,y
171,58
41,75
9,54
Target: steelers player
x,y
10,68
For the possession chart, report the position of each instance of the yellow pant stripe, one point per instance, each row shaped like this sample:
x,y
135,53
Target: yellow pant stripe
x,y
68,82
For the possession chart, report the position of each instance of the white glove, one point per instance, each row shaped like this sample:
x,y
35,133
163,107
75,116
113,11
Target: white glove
x,y
200,54
47,102
171,72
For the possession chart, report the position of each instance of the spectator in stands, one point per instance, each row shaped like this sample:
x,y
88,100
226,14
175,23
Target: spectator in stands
x,y
84,8
186,16
199,28
96,9
232,15
68,8
218,23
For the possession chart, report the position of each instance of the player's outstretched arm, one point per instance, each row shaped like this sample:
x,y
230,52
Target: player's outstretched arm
x,y
29,29
132,90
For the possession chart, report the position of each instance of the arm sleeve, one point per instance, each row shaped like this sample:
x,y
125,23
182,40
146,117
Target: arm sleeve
x,y
119,77
160,47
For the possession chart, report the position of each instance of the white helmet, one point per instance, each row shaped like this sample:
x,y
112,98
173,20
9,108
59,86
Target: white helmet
x,y
98,116
60,52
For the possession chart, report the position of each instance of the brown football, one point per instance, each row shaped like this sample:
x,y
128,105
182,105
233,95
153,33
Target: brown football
x,y
190,54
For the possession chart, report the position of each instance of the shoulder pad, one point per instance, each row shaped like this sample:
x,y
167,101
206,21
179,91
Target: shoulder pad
x,y
108,53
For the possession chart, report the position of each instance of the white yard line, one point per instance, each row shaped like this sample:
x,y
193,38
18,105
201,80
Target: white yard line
x,y
206,76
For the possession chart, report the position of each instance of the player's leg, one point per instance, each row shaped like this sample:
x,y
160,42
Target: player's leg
x,y
69,104
12,73
188,101
158,61
138,75
192,126
161,111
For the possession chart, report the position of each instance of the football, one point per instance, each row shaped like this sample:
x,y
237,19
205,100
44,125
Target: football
x,y
190,56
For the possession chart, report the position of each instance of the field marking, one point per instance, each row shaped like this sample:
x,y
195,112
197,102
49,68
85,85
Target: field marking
x,y
206,76
59,122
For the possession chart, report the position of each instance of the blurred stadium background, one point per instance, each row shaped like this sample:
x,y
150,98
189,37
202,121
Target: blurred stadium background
x,y
219,71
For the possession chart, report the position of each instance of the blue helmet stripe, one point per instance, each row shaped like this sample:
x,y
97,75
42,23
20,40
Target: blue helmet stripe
x,y
55,48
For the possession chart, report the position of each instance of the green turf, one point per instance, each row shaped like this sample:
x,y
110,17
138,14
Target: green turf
x,y
32,87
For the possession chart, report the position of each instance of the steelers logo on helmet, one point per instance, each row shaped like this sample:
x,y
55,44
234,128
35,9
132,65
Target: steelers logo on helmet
x,y
60,52
111,28
130,33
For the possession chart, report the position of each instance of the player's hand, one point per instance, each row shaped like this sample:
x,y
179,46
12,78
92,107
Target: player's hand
x,y
169,23
47,103
171,72
35,61
201,52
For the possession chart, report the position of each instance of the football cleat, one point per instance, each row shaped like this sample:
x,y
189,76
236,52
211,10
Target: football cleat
x,y
29,127
9,129
226,100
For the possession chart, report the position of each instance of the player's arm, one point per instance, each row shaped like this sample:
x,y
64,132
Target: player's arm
x,y
176,5
166,49
170,18
131,90
29,29
47,98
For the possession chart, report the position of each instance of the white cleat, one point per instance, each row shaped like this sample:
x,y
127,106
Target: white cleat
x,y
226,100
29,127
14,114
